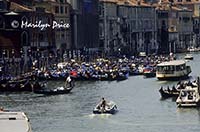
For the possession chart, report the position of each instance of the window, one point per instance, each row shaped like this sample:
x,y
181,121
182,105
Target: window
x,y
62,35
61,10
1,22
24,39
24,19
2,5
41,37
56,9
66,10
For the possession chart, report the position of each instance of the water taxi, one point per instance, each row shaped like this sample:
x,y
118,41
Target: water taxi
x,y
172,70
14,122
188,97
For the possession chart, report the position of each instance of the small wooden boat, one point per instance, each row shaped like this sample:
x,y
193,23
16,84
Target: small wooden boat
x,y
16,86
110,108
167,93
189,57
122,76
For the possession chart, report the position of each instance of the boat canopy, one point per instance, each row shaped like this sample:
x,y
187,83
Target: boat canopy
x,y
174,63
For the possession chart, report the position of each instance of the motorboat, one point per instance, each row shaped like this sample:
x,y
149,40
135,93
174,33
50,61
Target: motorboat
x,y
14,122
149,72
189,57
110,108
172,70
188,97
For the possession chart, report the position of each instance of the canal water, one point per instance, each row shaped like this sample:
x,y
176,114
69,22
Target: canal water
x,y
138,101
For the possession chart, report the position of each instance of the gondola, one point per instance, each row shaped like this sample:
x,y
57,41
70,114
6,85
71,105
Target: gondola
x,y
110,108
57,91
16,86
169,93
122,76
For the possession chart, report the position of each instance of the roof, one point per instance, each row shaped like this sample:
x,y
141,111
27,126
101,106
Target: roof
x,y
128,2
17,7
169,63
112,1
14,122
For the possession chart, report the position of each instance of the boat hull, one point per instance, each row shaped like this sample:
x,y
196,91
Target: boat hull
x,y
173,78
167,94
111,108
112,111
189,104
52,92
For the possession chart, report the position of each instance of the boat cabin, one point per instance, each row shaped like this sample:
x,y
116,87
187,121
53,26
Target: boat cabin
x,y
171,66
172,70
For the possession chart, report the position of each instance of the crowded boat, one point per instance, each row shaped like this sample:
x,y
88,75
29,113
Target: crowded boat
x,y
173,70
189,97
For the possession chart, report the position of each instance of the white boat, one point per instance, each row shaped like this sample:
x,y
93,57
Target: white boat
x,y
193,49
189,57
172,70
14,122
110,108
188,97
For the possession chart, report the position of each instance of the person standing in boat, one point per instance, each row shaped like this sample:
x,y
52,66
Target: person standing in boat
x,y
70,81
103,104
1,109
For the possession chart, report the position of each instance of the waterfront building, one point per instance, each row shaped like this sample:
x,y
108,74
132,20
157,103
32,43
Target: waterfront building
x,y
162,27
194,6
61,11
109,31
20,41
127,27
176,27
85,26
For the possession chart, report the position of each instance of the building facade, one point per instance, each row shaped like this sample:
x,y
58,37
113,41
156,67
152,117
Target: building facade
x,y
25,43
85,26
127,27
61,12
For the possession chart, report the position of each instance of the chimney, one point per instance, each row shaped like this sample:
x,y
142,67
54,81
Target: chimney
x,y
138,2
160,2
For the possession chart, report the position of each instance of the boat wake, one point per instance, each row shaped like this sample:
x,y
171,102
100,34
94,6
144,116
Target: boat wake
x,y
99,116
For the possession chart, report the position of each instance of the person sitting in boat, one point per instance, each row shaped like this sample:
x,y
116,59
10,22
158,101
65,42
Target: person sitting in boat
x,y
168,89
174,88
